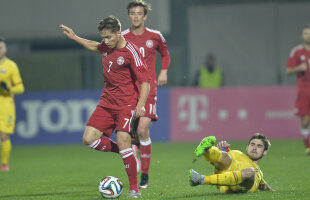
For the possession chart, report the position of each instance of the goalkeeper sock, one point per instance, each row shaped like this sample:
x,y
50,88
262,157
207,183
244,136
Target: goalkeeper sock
x,y
227,178
6,148
213,155
105,144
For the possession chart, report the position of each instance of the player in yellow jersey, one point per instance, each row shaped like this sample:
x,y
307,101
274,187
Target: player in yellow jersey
x,y
10,84
234,171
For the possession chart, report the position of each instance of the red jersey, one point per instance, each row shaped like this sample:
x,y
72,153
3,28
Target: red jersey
x,y
121,69
149,42
297,56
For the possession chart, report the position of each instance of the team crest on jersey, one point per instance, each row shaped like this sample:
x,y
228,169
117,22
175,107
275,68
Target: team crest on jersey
x,y
302,57
120,60
105,54
149,43
3,70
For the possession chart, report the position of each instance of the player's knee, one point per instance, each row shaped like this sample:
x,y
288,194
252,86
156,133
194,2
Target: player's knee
x,y
248,173
123,140
226,157
143,133
87,140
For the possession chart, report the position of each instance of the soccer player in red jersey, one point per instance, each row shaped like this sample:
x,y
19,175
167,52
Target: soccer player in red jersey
x,y
299,63
120,102
149,42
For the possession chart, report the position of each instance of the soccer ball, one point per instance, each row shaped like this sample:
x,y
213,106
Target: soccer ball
x,y
110,187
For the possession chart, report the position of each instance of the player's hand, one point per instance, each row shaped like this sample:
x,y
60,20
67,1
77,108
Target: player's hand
x,y
303,67
140,111
265,187
4,86
222,144
68,31
162,77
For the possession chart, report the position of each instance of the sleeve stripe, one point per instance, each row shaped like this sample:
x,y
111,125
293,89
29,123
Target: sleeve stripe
x,y
125,31
157,32
135,55
293,51
236,177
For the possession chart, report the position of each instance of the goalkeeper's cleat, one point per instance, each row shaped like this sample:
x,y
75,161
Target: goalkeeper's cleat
x,y
135,152
204,145
308,151
5,168
195,178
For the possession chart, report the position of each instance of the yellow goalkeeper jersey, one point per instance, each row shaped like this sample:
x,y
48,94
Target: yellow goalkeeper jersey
x,y
9,73
242,161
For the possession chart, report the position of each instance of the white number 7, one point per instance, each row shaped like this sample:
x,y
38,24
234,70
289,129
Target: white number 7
x,y
127,120
110,66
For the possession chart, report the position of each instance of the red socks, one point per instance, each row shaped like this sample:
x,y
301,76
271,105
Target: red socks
x,y
130,165
306,136
105,144
145,155
307,141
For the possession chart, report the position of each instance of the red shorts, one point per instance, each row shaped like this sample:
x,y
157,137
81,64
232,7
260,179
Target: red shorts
x,y
150,107
107,120
303,104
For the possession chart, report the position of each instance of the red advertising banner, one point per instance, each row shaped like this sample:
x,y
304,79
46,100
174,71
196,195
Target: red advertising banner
x,y
233,113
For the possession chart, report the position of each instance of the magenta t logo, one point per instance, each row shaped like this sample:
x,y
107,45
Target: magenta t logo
x,y
192,108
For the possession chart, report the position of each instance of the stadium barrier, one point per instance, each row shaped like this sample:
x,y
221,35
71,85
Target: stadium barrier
x,y
233,113
185,114
60,117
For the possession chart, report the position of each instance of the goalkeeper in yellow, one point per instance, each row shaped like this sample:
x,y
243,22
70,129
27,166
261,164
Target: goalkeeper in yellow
x,y
234,171
10,84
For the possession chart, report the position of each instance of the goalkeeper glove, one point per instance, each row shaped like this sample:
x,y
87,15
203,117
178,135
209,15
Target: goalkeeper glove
x,y
4,86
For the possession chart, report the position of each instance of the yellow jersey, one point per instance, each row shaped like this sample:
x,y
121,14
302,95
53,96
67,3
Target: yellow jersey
x,y
9,74
242,161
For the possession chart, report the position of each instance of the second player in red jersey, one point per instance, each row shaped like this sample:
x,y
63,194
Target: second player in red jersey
x,y
149,43
299,63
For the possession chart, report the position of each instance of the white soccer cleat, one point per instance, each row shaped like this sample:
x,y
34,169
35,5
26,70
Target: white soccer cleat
x,y
134,195
195,178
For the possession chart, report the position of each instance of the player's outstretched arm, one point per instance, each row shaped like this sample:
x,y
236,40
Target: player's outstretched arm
x,y
89,44
299,68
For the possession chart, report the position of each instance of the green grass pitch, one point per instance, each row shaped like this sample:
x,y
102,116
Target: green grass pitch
x,y
74,171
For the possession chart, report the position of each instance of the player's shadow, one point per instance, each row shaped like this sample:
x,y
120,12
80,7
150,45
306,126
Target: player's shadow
x,y
189,196
201,196
41,195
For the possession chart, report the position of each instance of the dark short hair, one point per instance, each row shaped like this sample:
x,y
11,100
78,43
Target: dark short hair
x,y
306,26
135,3
110,23
2,39
263,138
